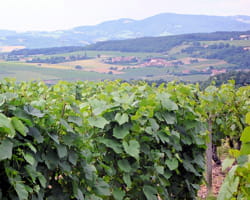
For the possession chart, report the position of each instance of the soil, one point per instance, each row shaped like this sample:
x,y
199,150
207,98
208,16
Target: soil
x,y
218,177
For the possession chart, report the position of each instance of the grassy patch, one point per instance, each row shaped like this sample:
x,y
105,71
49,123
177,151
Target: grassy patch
x,y
193,78
143,72
208,198
178,49
22,71
242,43
102,54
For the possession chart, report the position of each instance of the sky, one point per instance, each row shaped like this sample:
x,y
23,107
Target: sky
x,y
48,15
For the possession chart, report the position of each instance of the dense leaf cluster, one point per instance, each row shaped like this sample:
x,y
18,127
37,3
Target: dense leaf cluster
x,y
38,158
241,78
148,138
108,140
226,106
224,109
236,184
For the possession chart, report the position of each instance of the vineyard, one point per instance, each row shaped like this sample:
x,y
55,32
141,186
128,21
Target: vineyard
x,y
121,141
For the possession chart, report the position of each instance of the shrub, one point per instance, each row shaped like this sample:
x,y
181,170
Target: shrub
x,y
236,183
106,140
37,161
149,141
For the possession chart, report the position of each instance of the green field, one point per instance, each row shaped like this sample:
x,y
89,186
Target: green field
x,y
242,43
103,54
95,68
24,72
27,71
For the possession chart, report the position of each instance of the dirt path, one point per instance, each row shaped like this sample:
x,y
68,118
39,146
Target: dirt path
x,y
218,177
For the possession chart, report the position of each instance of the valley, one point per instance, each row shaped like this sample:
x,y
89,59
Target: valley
x,y
190,57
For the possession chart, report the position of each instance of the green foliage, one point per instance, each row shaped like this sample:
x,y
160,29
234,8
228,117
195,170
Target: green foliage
x,y
58,59
147,140
241,78
227,106
231,54
108,140
46,51
236,183
37,158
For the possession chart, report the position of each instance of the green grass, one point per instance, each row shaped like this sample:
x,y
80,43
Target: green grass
x,y
193,78
177,49
21,72
101,53
154,73
145,72
204,64
242,43
180,55
14,64
208,198
24,71
26,76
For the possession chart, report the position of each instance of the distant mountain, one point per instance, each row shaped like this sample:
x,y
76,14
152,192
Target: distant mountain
x,y
158,25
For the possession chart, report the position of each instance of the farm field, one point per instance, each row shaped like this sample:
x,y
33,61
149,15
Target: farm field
x,y
27,71
242,43
103,54
95,65
100,70
185,61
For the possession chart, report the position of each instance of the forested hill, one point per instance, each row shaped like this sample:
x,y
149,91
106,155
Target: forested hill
x,y
146,44
46,51
161,44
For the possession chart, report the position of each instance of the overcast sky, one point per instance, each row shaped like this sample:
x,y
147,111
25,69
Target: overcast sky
x,y
23,15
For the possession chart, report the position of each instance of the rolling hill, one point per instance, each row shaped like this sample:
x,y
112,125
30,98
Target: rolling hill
x,y
186,57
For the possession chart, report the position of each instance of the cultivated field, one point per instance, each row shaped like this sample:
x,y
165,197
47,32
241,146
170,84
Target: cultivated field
x,y
174,64
242,43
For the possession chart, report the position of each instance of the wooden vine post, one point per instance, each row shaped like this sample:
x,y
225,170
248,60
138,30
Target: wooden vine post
x,y
210,109
209,152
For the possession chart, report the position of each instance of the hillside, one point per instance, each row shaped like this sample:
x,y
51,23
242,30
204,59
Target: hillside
x,y
158,25
164,43
187,57
145,44
224,46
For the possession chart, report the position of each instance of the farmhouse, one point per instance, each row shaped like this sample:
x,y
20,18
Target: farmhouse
x,y
215,71
245,37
